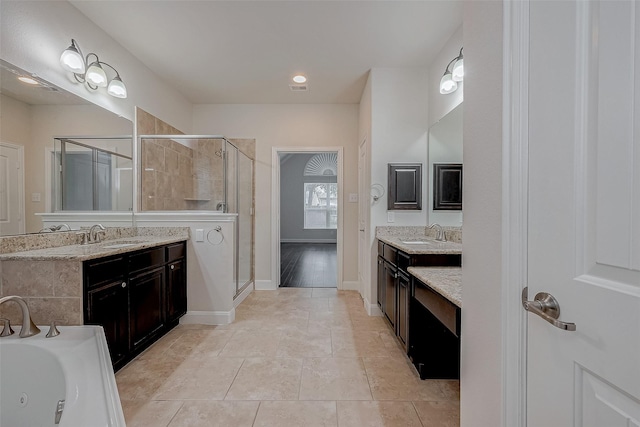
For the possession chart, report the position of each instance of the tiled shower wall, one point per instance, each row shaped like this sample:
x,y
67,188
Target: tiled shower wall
x,y
176,176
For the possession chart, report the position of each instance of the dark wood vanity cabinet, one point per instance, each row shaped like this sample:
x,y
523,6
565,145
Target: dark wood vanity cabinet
x,y
108,306
435,334
137,297
147,306
176,282
394,285
390,278
404,291
381,284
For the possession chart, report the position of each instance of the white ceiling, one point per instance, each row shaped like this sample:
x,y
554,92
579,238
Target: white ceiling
x,y
218,52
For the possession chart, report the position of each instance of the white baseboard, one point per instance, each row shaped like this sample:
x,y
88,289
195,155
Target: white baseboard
x,y
208,317
308,240
243,295
372,309
349,285
265,285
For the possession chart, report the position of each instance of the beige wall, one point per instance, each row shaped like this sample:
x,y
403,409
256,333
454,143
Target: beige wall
x,y
14,121
482,327
290,126
369,272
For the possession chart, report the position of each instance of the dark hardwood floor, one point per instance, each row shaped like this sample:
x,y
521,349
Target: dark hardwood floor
x,y
308,265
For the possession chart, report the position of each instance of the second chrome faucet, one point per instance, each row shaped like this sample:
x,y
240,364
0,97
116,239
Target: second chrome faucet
x,y
440,236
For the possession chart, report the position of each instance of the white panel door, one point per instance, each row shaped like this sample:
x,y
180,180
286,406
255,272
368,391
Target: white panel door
x,y
584,212
11,190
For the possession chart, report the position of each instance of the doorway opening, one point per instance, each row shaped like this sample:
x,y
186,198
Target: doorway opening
x,y
308,198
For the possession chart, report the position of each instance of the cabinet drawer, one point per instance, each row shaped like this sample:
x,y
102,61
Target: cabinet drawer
x,y
445,311
149,258
380,248
103,270
176,251
390,254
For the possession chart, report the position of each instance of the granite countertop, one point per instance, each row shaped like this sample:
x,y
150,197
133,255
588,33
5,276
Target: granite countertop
x,y
431,247
447,281
95,250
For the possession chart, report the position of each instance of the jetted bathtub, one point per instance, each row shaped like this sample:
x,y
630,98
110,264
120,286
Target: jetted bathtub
x,y
64,381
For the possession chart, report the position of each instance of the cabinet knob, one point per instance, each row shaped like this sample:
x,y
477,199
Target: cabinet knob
x,y
173,267
124,284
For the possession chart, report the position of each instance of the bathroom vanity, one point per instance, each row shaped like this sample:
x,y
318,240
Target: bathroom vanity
x,y
136,296
436,307
415,309
134,284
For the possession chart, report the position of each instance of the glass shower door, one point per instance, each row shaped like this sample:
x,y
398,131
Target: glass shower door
x,y
245,221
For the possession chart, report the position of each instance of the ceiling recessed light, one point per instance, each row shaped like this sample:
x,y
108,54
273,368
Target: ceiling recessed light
x,y
28,80
299,78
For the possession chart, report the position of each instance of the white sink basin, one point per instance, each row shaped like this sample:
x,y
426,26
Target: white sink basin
x,y
119,245
415,242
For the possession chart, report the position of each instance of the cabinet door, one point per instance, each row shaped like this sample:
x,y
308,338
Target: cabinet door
x,y
390,276
147,305
176,290
381,284
403,308
108,307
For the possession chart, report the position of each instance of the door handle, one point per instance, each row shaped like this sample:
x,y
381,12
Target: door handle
x,y
547,307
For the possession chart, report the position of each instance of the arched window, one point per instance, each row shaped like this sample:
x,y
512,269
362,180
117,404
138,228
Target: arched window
x,y
322,164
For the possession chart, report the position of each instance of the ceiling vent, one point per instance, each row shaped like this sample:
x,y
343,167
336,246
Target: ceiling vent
x,y
299,88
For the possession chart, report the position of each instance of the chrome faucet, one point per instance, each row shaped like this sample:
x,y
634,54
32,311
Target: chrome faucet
x,y
440,236
94,234
28,327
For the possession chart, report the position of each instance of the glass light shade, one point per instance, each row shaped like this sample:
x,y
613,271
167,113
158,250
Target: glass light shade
x,y
447,85
117,88
71,60
457,74
299,78
96,75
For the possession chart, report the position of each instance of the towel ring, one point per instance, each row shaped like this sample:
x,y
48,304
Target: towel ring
x,y
377,191
215,236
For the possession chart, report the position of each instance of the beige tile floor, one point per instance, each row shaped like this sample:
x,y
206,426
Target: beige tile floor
x,y
293,357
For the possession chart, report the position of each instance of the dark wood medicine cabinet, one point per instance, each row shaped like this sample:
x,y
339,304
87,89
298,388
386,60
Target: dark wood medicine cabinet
x,y
405,186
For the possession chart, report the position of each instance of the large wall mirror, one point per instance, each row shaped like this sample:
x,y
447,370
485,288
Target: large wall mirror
x,y
58,153
445,152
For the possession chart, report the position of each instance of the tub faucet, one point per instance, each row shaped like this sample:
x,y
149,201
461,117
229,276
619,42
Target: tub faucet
x,y
28,327
440,236
94,234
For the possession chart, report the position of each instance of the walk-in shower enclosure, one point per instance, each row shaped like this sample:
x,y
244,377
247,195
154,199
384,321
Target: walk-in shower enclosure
x,y
201,173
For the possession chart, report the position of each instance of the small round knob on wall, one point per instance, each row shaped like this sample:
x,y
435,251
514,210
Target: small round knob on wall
x,y
124,284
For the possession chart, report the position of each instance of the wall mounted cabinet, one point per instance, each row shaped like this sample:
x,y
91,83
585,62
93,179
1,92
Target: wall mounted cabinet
x,y
405,186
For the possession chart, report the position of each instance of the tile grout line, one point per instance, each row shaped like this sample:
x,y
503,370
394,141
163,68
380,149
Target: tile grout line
x,y
174,415
413,404
255,417
368,381
234,379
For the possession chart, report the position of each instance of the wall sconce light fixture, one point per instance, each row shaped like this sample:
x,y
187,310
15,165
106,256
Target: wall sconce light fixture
x,y
450,79
91,72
